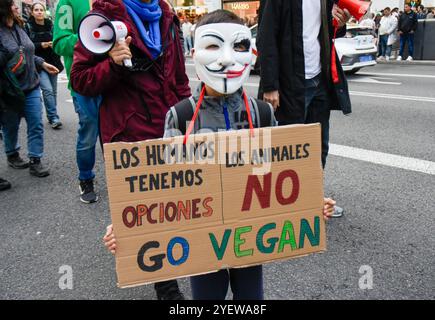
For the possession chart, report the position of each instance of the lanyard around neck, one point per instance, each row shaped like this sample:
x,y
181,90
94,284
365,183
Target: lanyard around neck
x,y
228,125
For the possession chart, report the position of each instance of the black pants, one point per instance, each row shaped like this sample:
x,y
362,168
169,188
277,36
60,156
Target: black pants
x,y
317,109
246,284
166,290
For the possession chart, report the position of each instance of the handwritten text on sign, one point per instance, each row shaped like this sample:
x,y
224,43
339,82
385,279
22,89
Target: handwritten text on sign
x,y
222,200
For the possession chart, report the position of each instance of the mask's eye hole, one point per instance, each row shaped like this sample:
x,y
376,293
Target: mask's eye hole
x,y
212,47
242,46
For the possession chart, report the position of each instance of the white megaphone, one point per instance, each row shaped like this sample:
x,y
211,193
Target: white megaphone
x,y
99,35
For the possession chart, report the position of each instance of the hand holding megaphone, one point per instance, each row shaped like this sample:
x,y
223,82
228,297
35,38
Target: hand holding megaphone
x,y
99,35
340,16
355,8
121,53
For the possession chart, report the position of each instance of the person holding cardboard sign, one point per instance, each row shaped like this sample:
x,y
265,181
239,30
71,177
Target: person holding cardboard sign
x,y
222,56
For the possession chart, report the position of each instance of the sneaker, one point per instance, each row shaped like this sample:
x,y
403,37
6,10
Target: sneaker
x,y
56,125
37,169
409,58
338,212
87,193
4,185
16,162
387,58
399,58
168,290
381,58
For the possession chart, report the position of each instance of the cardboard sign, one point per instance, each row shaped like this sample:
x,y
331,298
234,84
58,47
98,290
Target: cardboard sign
x,y
222,200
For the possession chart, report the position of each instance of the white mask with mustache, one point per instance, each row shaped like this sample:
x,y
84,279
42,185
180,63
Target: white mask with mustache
x,y
223,56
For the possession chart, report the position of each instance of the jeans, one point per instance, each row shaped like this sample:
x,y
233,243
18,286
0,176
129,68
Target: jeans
x,y
187,43
87,109
317,110
407,38
10,123
246,284
49,93
383,40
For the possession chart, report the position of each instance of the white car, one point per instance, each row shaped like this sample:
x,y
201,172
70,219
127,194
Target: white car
x,y
357,49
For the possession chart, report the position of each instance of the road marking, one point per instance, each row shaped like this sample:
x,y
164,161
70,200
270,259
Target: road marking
x,y
405,75
361,93
390,160
372,80
69,101
391,96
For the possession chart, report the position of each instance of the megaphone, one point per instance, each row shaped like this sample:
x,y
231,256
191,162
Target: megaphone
x,y
357,8
99,35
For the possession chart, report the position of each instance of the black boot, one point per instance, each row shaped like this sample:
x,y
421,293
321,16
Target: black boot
x,y
16,162
4,185
168,290
37,169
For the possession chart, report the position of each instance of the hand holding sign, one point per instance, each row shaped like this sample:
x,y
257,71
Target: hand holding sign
x,y
172,204
109,239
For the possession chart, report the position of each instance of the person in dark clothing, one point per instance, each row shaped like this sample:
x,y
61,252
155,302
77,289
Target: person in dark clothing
x,y
4,184
408,23
301,74
135,100
19,48
421,14
40,31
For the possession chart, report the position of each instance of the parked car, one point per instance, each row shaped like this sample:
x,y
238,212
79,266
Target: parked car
x,y
357,49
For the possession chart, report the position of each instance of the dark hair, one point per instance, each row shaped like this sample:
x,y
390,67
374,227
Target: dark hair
x,y
6,13
387,8
219,16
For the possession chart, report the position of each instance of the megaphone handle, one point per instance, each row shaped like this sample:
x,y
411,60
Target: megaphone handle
x,y
127,62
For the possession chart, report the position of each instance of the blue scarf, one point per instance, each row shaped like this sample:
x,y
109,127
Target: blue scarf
x,y
147,14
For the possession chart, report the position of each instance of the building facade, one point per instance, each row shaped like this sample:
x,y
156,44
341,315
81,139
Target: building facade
x,y
245,9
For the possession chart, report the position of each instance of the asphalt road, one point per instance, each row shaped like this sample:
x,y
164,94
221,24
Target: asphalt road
x,y
389,223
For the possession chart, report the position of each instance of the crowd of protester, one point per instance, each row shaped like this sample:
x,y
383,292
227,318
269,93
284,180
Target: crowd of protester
x,y
395,30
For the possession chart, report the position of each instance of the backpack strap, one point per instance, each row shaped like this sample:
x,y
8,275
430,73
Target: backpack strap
x,y
263,113
184,111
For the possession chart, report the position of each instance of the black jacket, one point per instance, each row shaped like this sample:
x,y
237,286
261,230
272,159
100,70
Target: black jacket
x,y
3,61
408,22
281,54
43,33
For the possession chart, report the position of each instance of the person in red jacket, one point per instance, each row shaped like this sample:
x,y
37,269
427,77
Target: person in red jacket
x,y
135,100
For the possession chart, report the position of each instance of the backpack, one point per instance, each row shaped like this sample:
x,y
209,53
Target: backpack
x,y
11,96
262,109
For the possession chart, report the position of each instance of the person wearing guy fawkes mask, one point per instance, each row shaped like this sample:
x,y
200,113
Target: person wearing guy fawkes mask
x,y
222,55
